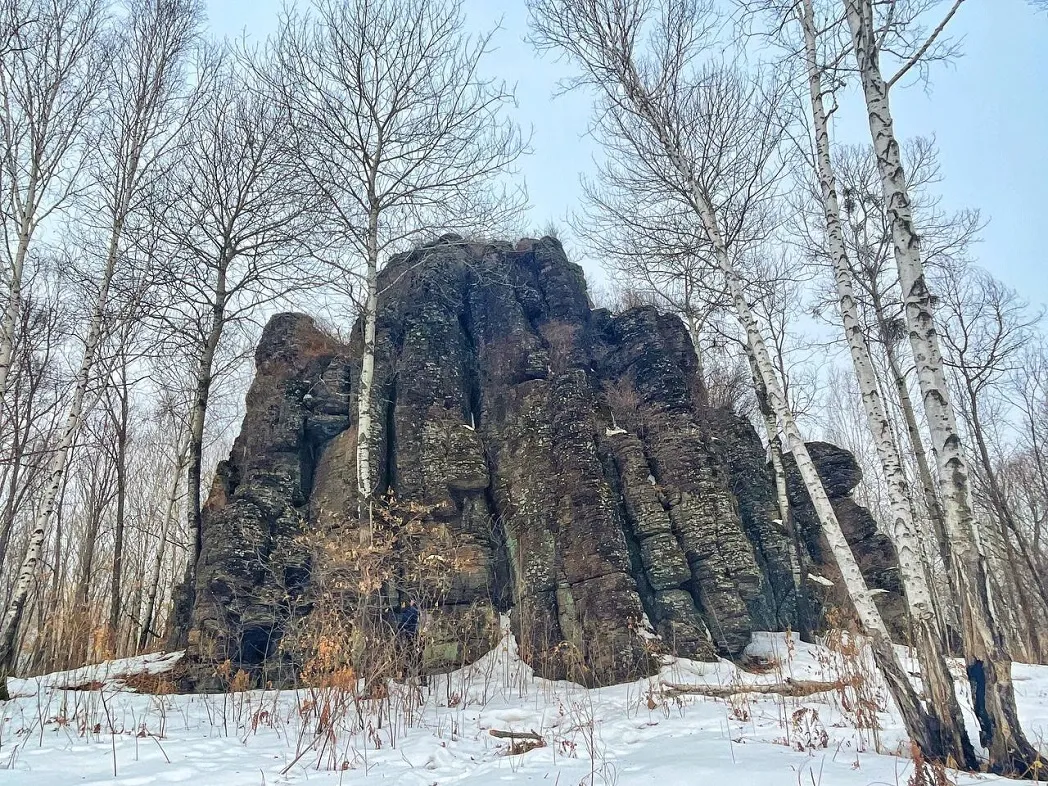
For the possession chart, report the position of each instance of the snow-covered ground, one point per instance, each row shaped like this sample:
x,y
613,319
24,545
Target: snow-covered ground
x,y
56,731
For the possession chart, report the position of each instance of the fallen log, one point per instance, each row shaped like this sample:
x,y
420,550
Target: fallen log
x,y
515,735
787,687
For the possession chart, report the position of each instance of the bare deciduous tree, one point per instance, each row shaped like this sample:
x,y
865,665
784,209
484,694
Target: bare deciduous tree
x,y
988,661
235,218
144,107
649,245
400,132
713,137
51,74
987,327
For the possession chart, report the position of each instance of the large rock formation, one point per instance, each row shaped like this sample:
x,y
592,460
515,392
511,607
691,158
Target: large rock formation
x,y
559,449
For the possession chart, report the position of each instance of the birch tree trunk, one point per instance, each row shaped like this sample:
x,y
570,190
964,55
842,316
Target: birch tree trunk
x,y
986,656
694,325
798,564
902,390
942,706
56,472
13,306
365,398
395,127
11,503
99,495
918,724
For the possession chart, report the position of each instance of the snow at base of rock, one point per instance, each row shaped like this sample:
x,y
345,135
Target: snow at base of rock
x,y
54,734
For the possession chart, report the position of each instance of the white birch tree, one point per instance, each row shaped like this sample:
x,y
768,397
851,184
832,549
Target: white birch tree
x,y
145,103
942,705
51,74
867,234
986,656
654,98
403,136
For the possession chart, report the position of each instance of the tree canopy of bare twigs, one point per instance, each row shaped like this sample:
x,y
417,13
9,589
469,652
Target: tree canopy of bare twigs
x,y
396,127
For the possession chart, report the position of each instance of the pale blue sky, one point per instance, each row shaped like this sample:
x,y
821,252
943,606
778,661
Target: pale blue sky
x,y
988,112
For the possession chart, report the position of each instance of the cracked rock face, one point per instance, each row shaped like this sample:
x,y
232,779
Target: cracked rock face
x,y
561,448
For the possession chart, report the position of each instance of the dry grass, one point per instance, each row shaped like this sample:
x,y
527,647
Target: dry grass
x,y
927,773
861,694
152,684
758,664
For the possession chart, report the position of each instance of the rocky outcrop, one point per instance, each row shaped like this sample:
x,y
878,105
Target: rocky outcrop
x,y
251,567
873,550
558,449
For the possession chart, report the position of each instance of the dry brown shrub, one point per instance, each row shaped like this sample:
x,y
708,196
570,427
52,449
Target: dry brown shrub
x,y
560,343
518,747
808,732
625,404
151,684
926,773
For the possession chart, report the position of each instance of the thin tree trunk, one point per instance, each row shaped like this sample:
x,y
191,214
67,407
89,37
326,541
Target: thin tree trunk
x,y
1000,503
14,291
197,422
932,507
1026,606
1042,476
798,564
942,707
99,500
56,469
121,500
988,662
165,527
365,401
10,504
198,416
694,325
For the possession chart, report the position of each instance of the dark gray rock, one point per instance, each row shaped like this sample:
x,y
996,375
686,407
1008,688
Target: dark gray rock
x,y
562,450
251,570
873,550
